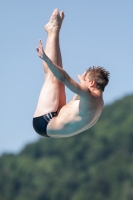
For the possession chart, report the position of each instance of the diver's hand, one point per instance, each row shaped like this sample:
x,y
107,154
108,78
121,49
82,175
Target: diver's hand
x,y
40,51
81,78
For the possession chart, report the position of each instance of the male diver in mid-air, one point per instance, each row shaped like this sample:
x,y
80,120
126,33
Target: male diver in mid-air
x,y
54,117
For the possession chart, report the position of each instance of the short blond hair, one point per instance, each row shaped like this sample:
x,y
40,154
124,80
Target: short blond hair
x,y
99,75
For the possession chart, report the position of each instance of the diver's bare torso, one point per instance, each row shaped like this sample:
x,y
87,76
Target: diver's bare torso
x,y
75,117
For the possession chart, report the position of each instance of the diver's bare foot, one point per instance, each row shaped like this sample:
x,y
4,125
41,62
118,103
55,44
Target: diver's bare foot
x,y
55,21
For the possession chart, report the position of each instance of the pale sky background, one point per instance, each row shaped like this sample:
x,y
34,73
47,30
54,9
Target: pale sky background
x,y
94,32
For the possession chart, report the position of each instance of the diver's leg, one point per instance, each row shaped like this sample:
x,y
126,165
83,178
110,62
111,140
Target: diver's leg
x,y
52,95
52,49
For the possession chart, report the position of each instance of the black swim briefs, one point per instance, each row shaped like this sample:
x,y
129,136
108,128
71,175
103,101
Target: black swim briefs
x,y
40,123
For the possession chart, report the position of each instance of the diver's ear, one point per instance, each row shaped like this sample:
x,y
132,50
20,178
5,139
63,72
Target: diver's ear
x,y
92,83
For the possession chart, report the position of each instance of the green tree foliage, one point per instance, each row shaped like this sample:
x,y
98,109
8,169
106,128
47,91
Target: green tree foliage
x,y
97,164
